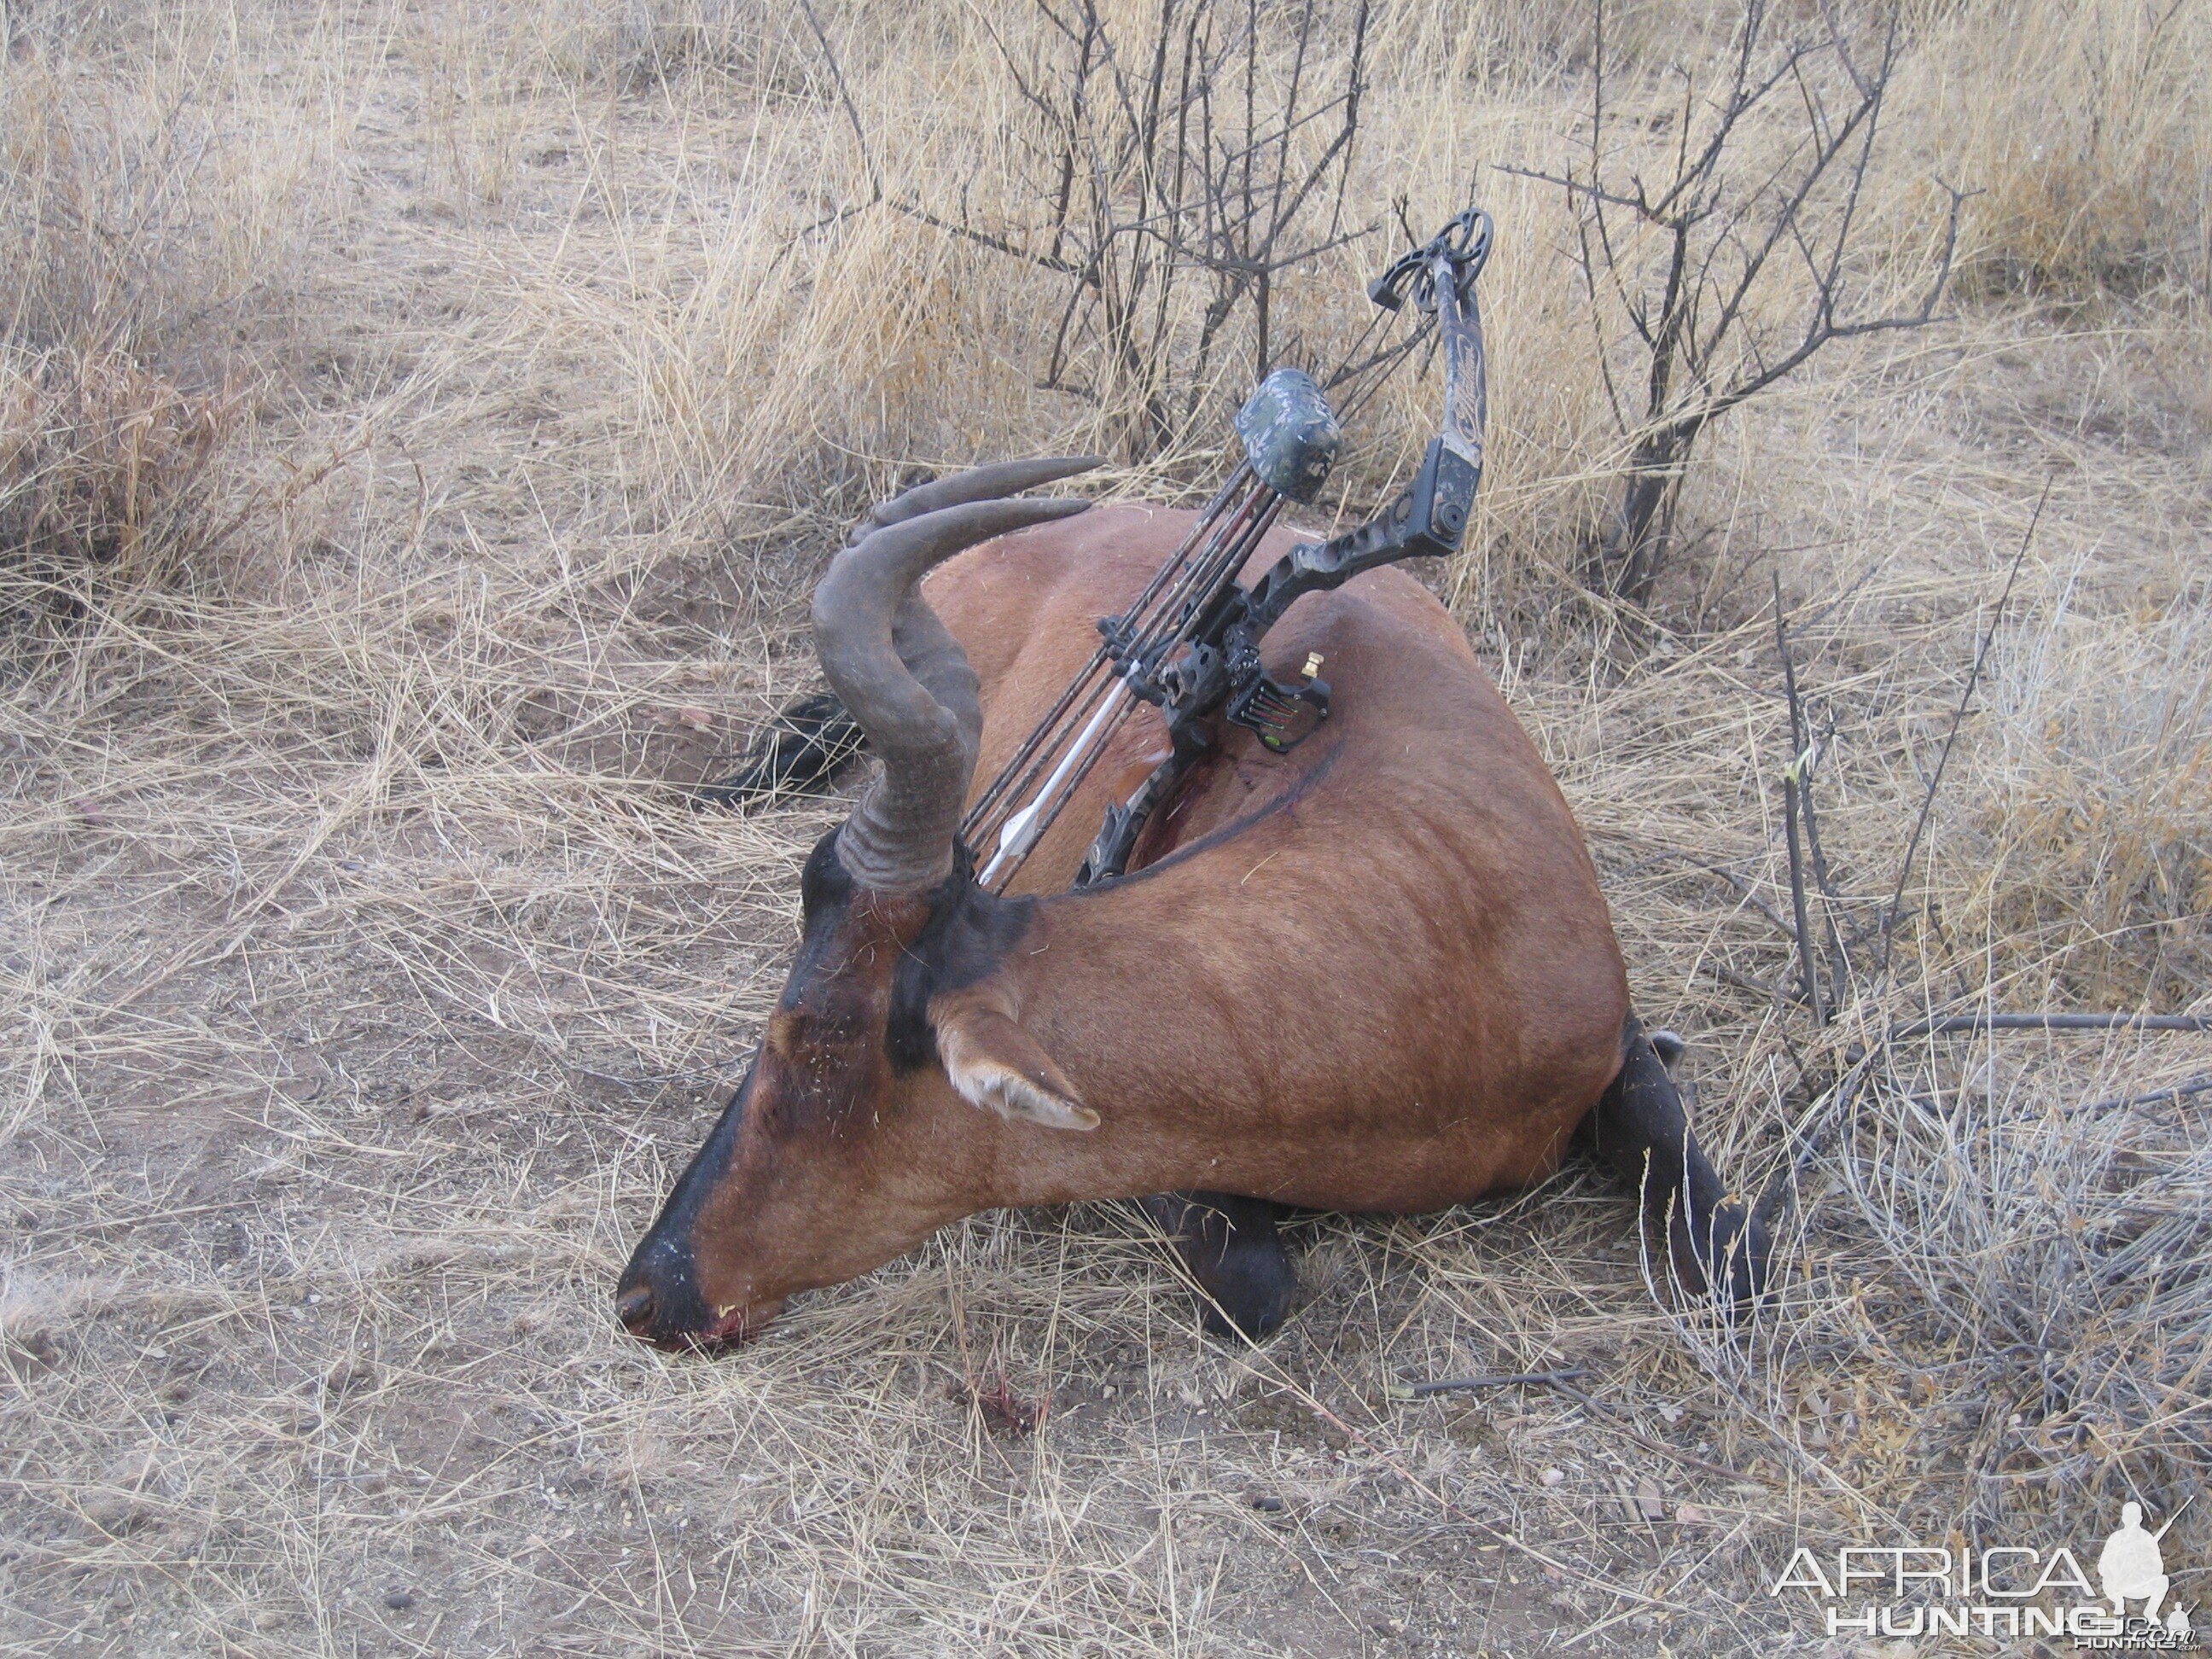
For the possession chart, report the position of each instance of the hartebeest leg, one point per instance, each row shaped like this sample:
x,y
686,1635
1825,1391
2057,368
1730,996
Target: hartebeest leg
x,y
1639,1128
802,748
1231,1246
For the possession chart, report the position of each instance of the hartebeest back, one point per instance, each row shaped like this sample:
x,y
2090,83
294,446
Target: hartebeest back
x,y
1375,974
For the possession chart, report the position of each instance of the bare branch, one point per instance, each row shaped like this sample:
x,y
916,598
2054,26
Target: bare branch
x,y
1689,276
1957,719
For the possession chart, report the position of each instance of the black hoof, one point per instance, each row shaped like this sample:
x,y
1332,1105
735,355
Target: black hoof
x,y
1231,1250
1641,1128
802,748
1249,1292
1729,1247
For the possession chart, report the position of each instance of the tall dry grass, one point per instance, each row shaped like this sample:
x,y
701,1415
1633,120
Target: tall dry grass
x,y
104,486
146,250
2094,171
365,982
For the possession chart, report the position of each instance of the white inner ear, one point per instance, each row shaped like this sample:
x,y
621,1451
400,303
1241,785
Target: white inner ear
x,y
986,1081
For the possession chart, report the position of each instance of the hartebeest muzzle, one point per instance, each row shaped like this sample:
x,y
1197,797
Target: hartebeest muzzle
x,y
657,1296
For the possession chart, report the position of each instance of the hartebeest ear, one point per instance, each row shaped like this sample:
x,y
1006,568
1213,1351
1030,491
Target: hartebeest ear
x,y
998,1065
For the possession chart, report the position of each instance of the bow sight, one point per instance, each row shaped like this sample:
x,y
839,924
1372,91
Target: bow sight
x,y
1190,643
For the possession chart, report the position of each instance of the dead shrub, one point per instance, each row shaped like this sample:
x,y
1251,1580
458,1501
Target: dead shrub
x,y
139,256
105,482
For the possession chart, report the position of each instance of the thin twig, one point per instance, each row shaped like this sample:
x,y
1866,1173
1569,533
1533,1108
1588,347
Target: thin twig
x,y
1793,781
1806,746
1839,955
1749,894
1957,719
1948,1024
2179,1092
1744,981
1446,1385
845,97
1615,1413
1808,974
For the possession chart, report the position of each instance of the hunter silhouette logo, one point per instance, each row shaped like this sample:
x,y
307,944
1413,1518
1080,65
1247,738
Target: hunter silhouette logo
x,y
2007,1590
2132,1567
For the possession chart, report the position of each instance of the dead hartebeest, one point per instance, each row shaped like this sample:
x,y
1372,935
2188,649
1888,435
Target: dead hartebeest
x,y
1375,974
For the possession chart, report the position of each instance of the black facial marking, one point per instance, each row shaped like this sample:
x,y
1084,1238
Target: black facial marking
x,y
825,889
663,1265
968,935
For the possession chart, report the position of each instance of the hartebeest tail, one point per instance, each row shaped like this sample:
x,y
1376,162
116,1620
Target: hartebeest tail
x,y
1375,974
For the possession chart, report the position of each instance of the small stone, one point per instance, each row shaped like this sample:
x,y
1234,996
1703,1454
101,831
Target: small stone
x,y
398,1600
121,1504
1265,1502
1689,1515
1553,1477
115,1513
348,1373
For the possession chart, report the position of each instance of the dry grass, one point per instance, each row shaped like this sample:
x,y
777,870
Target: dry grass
x,y
2096,171
104,499
365,984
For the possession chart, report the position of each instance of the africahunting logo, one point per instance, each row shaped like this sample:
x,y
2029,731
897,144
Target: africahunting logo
x,y
2003,1591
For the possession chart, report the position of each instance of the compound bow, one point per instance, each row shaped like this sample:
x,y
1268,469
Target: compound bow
x,y
1190,643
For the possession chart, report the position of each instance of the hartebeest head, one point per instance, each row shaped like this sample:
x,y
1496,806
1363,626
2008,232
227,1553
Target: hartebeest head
x,y
835,1155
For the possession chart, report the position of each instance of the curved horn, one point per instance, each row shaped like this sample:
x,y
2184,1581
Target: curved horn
x,y
978,483
906,681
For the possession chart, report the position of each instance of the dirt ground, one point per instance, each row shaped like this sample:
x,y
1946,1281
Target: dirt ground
x,y
366,981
